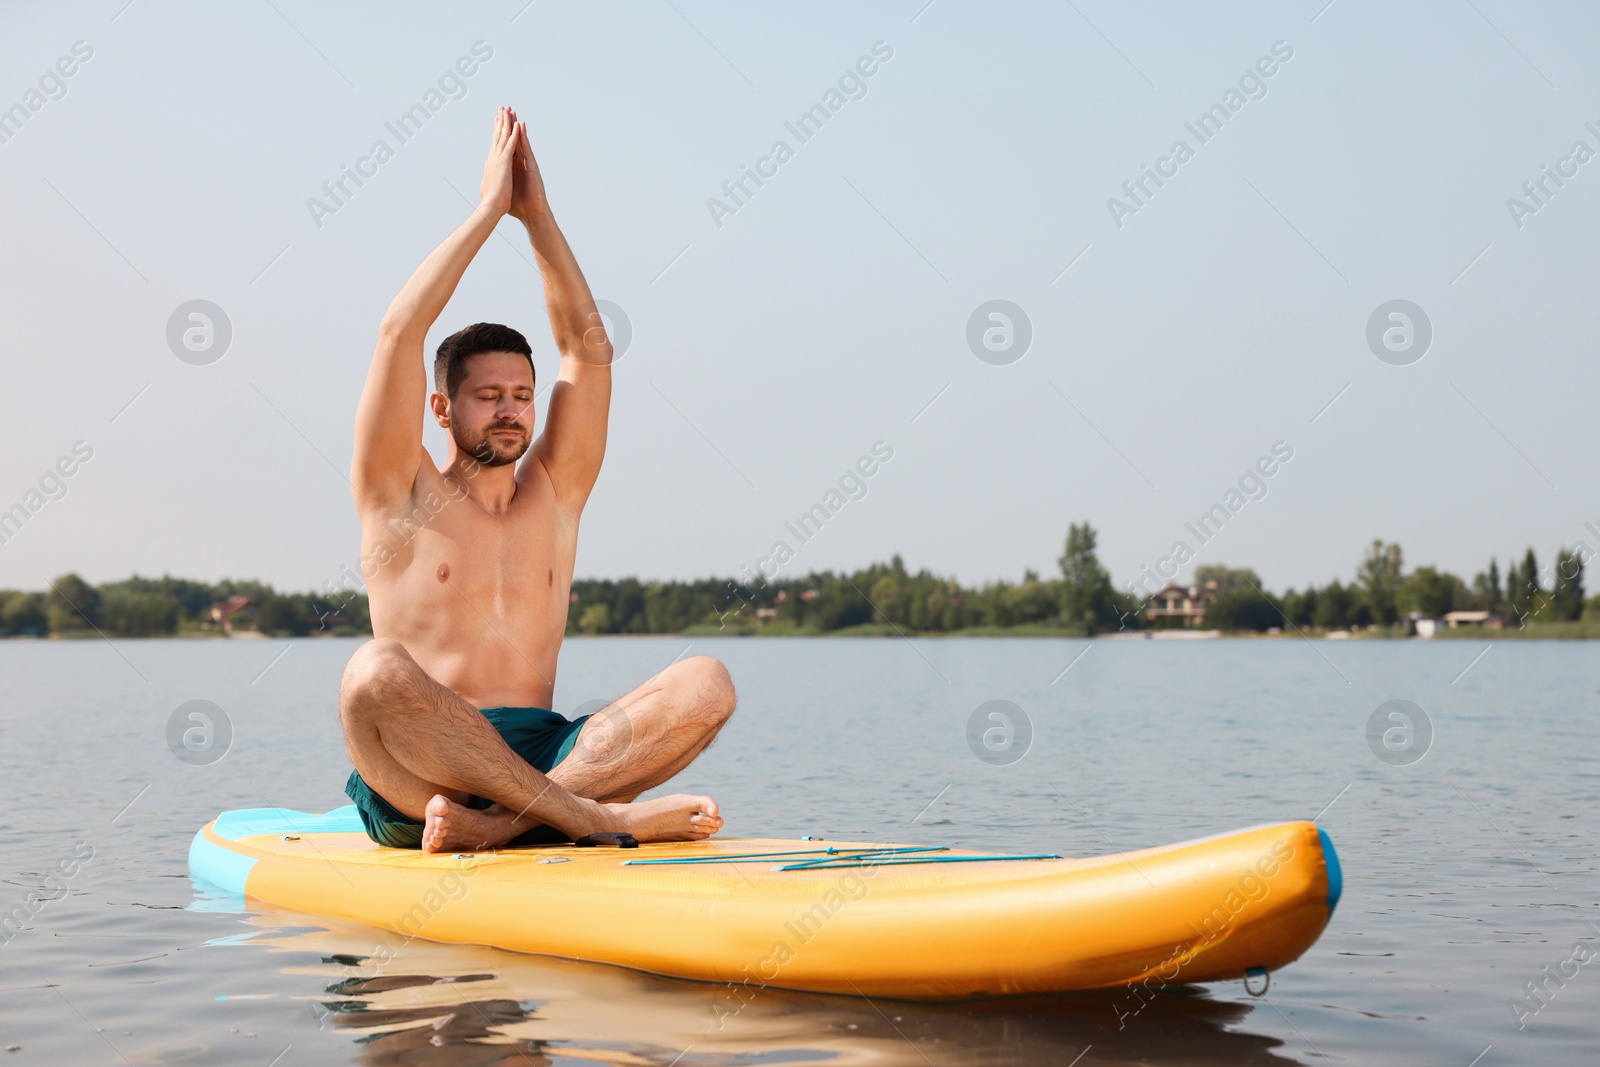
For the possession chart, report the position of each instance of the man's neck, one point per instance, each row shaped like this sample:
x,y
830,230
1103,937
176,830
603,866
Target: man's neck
x,y
491,488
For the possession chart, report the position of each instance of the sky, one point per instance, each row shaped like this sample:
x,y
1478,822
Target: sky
x,y
1158,346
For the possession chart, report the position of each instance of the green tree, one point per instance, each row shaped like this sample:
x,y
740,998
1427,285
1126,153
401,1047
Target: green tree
x,y
1428,590
1243,608
1566,599
1032,601
139,614
193,598
23,613
1340,606
891,595
1087,598
939,601
255,590
71,604
840,602
289,615
1486,584
1379,578
1301,608
991,605
1523,587
668,605
596,619
1227,578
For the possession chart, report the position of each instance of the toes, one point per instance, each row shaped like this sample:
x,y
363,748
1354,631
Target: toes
x,y
702,826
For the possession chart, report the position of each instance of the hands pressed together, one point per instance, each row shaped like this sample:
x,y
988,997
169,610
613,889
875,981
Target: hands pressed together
x,y
512,184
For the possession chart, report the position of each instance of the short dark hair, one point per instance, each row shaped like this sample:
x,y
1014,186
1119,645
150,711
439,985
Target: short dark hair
x,y
450,365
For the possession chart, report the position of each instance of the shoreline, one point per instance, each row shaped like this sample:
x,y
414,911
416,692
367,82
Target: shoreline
x,y
1570,631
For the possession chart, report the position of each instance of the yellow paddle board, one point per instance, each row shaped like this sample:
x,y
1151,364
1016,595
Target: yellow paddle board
x,y
894,920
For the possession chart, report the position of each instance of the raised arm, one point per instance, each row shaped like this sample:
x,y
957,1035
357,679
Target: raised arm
x,y
574,439
388,439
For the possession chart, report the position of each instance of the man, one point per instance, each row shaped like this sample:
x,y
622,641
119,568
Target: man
x,y
445,710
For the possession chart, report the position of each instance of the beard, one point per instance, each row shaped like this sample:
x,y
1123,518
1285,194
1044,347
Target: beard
x,y
489,450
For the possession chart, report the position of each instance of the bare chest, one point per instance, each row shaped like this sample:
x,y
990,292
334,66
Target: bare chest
x,y
446,566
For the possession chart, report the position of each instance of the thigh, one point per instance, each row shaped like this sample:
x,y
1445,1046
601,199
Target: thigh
x,y
378,675
659,725
640,720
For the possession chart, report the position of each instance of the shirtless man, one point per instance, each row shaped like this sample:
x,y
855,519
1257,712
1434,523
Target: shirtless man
x,y
445,710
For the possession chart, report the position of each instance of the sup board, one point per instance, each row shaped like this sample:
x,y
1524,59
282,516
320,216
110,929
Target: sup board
x,y
884,919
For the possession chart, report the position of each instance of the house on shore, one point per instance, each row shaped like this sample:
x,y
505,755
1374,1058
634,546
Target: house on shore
x,y
225,613
1485,619
1177,605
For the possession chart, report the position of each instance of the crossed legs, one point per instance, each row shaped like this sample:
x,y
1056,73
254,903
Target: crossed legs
x,y
424,750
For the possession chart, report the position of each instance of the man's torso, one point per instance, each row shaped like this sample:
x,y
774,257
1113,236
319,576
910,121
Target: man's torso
x,y
478,599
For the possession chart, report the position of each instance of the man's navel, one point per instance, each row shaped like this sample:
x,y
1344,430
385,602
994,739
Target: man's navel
x,y
550,577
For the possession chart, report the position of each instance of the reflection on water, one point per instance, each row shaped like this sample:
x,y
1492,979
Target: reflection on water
x,y
430,1004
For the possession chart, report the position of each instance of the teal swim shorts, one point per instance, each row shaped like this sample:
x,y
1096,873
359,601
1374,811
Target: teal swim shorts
x,y
538,735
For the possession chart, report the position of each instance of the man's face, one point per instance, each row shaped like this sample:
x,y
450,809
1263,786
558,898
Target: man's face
x,y
491,416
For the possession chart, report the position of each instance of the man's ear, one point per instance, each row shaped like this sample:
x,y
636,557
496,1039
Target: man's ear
x,y
441,408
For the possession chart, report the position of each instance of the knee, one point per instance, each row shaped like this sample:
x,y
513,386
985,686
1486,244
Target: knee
x,y
709,690
372,675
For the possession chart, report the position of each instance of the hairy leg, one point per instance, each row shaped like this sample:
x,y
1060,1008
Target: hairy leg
x,y
644,738
416,742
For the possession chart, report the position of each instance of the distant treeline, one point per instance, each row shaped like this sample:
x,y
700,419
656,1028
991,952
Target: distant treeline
x,y
884,597
1082,599
1382,594
153,607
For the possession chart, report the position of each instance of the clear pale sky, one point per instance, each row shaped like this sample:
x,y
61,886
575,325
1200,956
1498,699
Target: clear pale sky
x,y
775,345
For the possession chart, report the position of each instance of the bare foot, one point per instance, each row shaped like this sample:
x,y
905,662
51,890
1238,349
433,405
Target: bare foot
x,y
680,817
451,827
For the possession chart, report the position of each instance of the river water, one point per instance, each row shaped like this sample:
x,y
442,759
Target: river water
x,y
1469,872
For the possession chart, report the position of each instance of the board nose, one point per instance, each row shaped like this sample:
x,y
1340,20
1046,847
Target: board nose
x,y
1330,860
